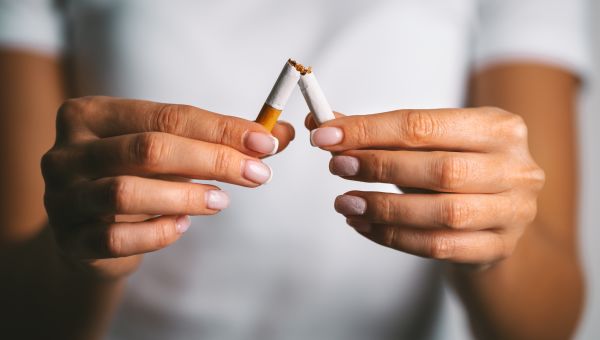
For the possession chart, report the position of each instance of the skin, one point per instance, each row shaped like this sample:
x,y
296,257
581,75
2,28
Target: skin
x,y
472,193
116,159
111,165
69,273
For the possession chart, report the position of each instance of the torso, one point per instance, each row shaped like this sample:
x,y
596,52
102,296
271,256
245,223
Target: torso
x,y
280,262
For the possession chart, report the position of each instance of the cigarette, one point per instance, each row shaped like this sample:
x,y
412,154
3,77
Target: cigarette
x,y
314,97
287,80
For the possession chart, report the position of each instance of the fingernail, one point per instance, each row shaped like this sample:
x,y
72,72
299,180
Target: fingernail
x,y
326,136
350,205
183,223
360,226
344,165
217,199
257,172
261,142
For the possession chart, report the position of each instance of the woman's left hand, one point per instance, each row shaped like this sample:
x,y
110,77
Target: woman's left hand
x,y
470,181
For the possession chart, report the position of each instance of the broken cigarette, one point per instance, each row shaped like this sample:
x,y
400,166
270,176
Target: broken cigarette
x,y
315,98
287,80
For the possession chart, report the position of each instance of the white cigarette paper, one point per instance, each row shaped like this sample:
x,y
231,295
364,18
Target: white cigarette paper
x,y
282,90
315,98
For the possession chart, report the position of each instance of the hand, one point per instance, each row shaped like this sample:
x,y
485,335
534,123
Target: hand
x,y
471,181
117,178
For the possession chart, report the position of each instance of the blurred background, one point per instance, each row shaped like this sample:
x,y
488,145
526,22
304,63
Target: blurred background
x,y
590,188
455,326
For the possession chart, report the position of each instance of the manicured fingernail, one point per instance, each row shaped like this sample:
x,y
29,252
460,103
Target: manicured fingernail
x,y
360,226
344,165
326,136
261,142
350,205
217,199
183,223
257,172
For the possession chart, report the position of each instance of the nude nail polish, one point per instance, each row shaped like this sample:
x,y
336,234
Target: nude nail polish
x,y
350,205
183,223
326,136
261,143
217,199
257,172
344,165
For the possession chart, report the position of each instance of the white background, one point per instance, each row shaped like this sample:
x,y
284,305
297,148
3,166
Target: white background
x,y
590,171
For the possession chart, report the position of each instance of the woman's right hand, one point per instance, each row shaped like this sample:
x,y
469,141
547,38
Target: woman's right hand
x,y
117,177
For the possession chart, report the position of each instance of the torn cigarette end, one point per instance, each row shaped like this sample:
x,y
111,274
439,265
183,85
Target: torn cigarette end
x,y
299,67
280,93
295,73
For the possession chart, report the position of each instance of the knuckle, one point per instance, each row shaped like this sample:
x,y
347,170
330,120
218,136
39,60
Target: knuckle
x,y
515,127
538,177
455,215
224,131
529,211
48,164
380,168
170,118
441,248
163,235
192,199
494,110
530,176
390,237
71,108
66,112
149,149
221,162
68,115
120,191
386,210
112,243
419,127
450,173
362,133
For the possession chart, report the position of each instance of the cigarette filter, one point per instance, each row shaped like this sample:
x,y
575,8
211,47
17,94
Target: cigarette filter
x,y
287,80
315,98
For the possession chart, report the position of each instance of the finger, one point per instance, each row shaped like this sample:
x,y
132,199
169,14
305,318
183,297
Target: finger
x,y
125,238
461,172
285,133
154,153
310,123
480,130
136,195
477,247
435,211
106,117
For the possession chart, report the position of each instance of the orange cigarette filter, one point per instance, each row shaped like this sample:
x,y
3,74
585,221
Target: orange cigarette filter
x,y
268,116
285,84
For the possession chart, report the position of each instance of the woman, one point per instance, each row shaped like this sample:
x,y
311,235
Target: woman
x,y
277,263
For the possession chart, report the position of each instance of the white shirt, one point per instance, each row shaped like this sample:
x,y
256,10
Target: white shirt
x,y
280,263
